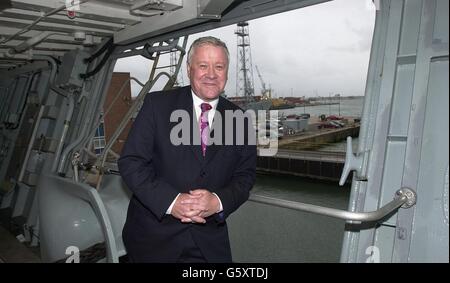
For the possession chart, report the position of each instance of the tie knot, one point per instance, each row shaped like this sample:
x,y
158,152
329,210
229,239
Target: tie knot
x,y
205,107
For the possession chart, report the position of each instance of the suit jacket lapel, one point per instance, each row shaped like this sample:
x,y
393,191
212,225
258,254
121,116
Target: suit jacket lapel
x,y
185,103
212,149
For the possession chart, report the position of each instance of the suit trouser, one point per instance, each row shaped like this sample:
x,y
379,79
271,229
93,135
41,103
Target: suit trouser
x,y
191,252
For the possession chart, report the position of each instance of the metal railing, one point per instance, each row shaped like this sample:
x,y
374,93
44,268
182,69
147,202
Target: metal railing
x,y
404,197
324,156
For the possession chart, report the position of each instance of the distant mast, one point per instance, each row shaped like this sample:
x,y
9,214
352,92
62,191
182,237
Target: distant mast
x,y
244,69
176,75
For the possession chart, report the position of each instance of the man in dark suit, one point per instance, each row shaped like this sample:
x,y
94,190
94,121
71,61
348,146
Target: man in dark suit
x,y
182,194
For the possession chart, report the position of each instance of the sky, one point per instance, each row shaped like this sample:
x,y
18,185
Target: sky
x,y
320,50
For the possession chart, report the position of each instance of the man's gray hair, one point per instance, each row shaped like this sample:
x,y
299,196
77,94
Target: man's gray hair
x,y
209,40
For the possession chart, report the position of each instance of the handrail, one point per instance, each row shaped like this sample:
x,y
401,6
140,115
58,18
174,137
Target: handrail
x,y
405,197
122,88
325,156
117,95
149,85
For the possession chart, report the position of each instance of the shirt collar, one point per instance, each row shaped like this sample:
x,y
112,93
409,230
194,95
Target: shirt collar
x,y
198,101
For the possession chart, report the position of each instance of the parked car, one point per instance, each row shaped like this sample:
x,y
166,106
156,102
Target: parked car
x,y
333,117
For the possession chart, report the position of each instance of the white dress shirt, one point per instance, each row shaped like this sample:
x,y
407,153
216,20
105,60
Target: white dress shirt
x,y
197,101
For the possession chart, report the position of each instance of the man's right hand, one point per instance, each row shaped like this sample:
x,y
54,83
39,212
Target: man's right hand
x,y
185,212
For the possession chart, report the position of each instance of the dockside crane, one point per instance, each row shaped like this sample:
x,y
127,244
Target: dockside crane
x,y
266,93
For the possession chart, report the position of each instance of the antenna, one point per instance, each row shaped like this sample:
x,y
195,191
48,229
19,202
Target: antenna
x,y
244,74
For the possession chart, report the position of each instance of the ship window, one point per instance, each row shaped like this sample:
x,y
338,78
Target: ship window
x,y
310,65
100,132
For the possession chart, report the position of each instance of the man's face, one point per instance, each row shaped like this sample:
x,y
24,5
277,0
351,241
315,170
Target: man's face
x,y
208,71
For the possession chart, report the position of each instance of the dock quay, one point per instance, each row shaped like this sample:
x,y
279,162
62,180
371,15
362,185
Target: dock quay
x,y
311,164
316,138
297,156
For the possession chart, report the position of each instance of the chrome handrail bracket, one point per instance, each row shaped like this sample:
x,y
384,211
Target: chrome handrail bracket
x,y
409,194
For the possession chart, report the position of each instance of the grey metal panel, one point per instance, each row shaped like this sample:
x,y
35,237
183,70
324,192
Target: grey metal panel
x,y
165,23
50,112
94,93
30,179
393,130
60,19
5,4
212,9
74,66
410,26
427,49
440,33
82,224
403,97
62,226
15,105
116,197
25,197
384,107
351,239
26,57
392,173
14,109
379,118
44,45
430,235
33,220
384,234
56,38
45,144
43,26
92,10
26,68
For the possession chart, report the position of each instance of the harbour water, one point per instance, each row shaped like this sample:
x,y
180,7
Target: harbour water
x,y
306,237
265,233
345,107
305,190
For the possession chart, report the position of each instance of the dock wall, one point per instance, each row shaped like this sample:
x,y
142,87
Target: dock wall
x,y
314,169
319,139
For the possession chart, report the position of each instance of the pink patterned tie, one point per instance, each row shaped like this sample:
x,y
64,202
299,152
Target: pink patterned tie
x,y
204,125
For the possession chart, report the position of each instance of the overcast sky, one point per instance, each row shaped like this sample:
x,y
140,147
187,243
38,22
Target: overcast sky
x,y
318,50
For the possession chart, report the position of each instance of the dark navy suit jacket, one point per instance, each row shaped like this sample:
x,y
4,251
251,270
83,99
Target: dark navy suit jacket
x,y
156,171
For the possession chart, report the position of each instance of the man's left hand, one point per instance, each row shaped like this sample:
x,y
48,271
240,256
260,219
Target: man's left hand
x,y
207,203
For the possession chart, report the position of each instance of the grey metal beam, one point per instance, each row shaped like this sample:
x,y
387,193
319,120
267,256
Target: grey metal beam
x,y
56,38
48,41
212,9
168,22
236,12
45,45
90,10
19,23
60,19
34,52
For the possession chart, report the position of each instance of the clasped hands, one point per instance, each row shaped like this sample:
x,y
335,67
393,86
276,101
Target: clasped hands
x,y
195,206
